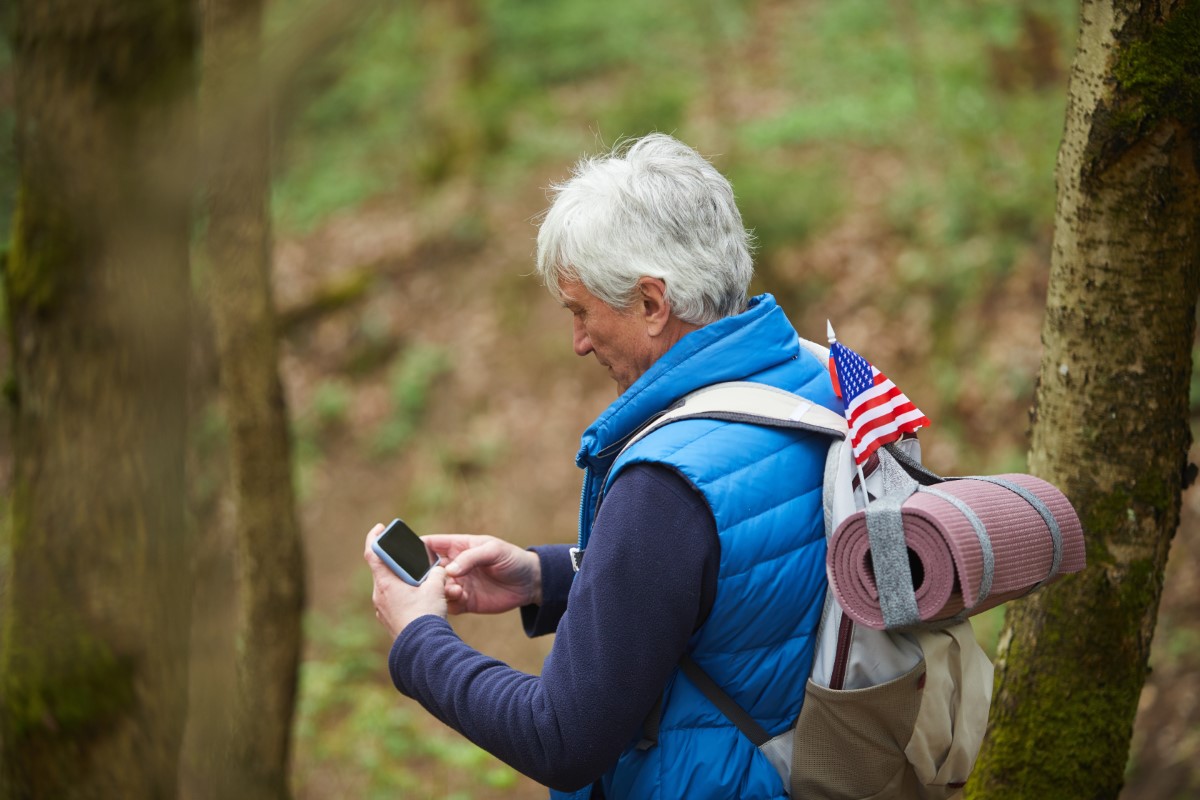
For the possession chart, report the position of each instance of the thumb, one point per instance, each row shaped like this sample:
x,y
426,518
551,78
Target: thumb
x,y
381,573
436,580
433,592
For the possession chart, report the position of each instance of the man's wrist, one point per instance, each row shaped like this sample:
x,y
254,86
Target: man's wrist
x,y
535,583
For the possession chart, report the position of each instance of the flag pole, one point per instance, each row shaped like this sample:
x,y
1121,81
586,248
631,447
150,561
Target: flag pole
x,y
862,479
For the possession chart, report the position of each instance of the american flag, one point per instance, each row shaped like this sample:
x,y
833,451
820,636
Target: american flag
x,y
876,410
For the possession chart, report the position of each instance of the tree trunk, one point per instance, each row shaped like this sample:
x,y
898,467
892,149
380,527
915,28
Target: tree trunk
x,y
93,671
1111,416
237,254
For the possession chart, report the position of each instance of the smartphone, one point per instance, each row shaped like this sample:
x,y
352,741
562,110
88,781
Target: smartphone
x,y
404,552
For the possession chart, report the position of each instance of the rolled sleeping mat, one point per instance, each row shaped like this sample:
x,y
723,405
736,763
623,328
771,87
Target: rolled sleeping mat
x,y
973,543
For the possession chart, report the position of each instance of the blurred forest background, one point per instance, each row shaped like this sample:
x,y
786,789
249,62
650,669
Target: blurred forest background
x,y
895,159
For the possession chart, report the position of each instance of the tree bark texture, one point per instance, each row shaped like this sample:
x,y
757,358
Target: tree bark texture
x,y
237,259
93,663
1111,416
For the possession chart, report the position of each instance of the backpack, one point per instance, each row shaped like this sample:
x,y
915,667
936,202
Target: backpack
x,y
893,712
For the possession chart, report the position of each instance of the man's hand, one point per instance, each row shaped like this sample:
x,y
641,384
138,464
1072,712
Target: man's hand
x,y
396,602
486,575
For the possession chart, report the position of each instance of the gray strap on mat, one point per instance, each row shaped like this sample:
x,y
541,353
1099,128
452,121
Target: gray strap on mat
x,y
889,551
1047,516
889,558
985,543
915,469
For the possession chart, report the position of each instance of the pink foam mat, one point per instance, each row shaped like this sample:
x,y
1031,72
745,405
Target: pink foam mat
x,y
948,556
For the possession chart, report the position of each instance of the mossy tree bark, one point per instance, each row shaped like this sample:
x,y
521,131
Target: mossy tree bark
x,y
1111,415
236,256
93,662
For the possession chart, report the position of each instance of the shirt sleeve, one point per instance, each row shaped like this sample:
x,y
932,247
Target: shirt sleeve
x,y
557,577
647,583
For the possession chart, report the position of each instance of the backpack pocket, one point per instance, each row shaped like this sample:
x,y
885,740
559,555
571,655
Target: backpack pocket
x,y
915,736
849,744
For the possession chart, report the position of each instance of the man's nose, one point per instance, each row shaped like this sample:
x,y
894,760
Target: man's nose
x,y
582,344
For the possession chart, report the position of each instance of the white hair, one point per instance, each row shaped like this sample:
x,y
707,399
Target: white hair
x,y
652,207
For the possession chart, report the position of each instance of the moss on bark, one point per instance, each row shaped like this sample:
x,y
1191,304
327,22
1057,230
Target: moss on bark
x,y
65,696
41,244
1154,78
1159,75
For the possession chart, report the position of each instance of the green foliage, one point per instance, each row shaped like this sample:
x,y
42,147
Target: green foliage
x,y
785,203
330,403
350,141
386,111
543,44
914,79
352,722
981,161
987,627
410,382
657,107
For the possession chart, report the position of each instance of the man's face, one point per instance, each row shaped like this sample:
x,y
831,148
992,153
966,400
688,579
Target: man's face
x,y
620,340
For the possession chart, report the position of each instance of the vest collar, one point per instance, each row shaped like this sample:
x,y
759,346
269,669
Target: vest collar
x,y
730,349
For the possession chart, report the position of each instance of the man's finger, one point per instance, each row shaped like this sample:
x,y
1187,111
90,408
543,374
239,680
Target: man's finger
x,y
488,552
443,542
448,545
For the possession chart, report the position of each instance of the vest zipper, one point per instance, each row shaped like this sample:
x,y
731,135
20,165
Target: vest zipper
x,y
583,502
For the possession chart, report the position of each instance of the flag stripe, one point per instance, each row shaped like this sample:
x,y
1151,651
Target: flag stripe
x,y
879,403
909,423
883,419
876,410
900,416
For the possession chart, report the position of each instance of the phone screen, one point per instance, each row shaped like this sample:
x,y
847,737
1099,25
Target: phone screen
x,y
405,548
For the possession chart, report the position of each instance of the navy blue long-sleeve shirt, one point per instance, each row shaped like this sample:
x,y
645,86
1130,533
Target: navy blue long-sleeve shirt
x,y
648,582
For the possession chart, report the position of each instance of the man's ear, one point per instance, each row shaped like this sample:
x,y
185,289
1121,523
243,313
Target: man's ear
x,y
653,305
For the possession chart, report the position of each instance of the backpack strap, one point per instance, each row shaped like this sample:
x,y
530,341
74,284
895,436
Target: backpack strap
x,y
755,404
725,704
717,696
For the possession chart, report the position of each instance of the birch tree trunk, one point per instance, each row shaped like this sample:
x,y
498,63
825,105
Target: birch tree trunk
x,y
93,663
1111,416
237,254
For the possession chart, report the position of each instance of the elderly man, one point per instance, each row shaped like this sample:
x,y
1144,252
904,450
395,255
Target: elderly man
x,y
704,538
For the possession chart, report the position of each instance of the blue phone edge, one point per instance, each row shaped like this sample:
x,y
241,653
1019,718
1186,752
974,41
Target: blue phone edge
x,y
401,573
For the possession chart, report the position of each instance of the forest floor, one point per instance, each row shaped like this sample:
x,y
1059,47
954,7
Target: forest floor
x,y
490,427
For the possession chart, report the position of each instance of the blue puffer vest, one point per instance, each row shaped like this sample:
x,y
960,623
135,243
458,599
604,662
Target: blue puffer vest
x,y
764,487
